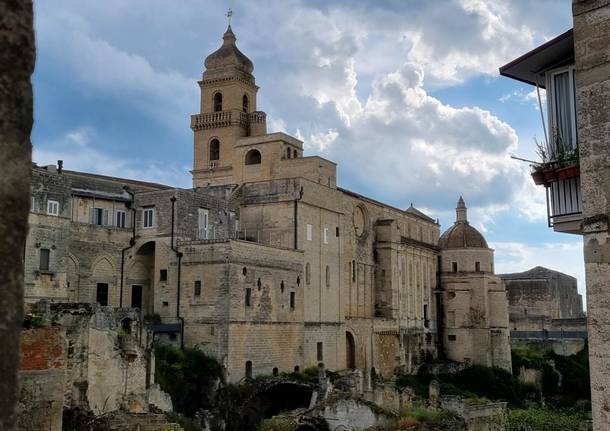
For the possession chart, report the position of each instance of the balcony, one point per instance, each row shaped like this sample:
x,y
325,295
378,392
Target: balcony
x,y
563,196
233,117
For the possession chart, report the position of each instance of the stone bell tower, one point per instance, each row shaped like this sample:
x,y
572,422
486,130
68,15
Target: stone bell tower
x,y
227,113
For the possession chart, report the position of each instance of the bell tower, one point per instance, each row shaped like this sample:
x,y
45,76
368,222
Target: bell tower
x,y
227,112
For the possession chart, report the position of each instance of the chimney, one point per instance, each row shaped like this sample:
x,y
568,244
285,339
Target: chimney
x,y
60,166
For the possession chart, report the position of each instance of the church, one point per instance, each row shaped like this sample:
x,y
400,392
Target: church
x,y
265,263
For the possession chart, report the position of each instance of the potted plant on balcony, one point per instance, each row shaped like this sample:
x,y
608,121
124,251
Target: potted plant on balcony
x,y
567,159
538,169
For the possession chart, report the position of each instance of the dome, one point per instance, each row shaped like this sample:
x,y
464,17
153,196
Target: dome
x,y
228,55
461,234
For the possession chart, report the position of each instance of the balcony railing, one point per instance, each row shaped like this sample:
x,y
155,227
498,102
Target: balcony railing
x,y
563,200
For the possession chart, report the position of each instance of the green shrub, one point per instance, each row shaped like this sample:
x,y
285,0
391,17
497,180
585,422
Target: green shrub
x,y
540,419
188,376
527,357
277,424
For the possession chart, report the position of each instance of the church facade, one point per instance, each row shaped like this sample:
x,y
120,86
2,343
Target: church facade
x,y
266,264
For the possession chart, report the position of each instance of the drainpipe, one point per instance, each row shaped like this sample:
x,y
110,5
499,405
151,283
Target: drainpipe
x,y
296,219
440,333
179,256
132,241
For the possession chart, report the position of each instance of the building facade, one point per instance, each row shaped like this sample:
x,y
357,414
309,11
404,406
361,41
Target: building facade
x,y
574,68
265,264
474,298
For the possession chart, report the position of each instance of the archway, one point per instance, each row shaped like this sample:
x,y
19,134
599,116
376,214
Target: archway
x,y
253,157
139,281
350,351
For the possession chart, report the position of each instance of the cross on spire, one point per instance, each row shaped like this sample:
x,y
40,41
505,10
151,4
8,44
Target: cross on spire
x,y
229,14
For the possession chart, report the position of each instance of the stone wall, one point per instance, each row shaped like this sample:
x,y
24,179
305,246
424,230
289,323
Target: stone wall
x,y
42,379
542,292
592,58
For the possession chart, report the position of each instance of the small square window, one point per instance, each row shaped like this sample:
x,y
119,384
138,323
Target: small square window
x,y
198,288
451,337
52,207
165,304
163,275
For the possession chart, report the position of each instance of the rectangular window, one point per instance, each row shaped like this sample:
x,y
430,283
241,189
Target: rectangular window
x,y
248,296
198,288
560,91
309,232
120,218
45,254
292,299
148,217
102,293
163,275
165,303
203,219
337,231
98,216
477,266
33,204
426,320
320,351
451,337
52,207
325,235
454,267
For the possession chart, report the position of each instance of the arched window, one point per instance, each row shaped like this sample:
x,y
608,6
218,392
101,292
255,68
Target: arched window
x,y
253,157
327,276
307,274
245,103
295,154
217,102
287,153
214,149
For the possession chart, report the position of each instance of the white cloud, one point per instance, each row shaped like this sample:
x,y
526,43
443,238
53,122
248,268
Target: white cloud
x,y
85,157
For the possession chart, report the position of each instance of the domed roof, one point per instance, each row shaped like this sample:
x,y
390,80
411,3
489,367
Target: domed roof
x,y
228,55
461,234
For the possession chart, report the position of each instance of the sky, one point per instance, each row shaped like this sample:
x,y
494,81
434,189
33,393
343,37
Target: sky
x,y
404,95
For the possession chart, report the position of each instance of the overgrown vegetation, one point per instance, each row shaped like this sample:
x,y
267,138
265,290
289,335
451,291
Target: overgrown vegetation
x,y
473,383
412,417
188,376
32,321
278,424
565,379
541,419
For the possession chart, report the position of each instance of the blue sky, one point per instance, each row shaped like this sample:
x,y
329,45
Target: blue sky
x,y
404,95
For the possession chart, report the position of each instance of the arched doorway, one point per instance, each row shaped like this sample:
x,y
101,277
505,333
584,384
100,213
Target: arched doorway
x,y
350,351
139,282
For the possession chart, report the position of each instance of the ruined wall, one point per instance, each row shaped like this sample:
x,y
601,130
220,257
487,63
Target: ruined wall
x,y
42,379
592,58
543,292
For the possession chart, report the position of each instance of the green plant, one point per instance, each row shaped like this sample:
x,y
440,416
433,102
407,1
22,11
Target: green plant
x,y
278,424
541,419
34,321
188,376
187,424
523,356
